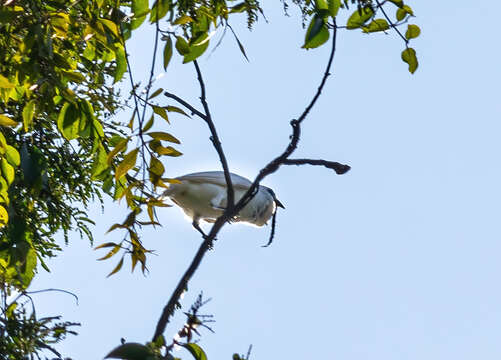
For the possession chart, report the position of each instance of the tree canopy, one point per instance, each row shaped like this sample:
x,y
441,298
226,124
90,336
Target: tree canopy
x,y
61,147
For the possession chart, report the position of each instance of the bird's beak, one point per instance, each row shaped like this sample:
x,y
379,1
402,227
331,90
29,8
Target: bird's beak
x,y
279,204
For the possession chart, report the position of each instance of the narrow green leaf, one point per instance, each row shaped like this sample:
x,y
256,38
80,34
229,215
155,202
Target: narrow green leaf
x,y
111,252
118,147
159,135
117,268
127,163
161,111
156,93
28,113
156,167
6,121
409,56
399,3
359,18
316,34
412,32
167,52
105,245
149,124
121,63
4,216
196,351
171,108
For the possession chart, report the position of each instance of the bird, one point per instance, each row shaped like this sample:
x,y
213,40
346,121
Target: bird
x,y
203,196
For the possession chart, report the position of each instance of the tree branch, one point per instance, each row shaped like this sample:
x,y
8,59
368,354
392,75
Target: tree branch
x,y
340,169
215,141
231,211
186,105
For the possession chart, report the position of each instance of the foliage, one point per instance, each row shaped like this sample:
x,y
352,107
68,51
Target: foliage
x,y
60,148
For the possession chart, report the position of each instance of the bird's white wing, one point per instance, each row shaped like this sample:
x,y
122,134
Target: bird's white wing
x,y
217,178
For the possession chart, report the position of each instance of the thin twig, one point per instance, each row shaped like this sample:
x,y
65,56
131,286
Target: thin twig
x,y
186,105
215,141
339,168
391,23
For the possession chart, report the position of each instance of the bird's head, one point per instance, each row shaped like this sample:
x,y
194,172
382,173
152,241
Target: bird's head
x,y
272,193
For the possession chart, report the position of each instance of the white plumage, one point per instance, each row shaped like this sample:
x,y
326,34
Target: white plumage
x,y
203,195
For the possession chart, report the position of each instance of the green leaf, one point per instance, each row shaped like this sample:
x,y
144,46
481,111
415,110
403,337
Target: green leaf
x,y
127,163
359,18
161,111
149,124
317,33
403,11
412,32
7,171
196,351
197,48
121,63
117,268
110,253
12,156
409,56
182,46
156,166
167,52
118,147
159,9
159,135
334,6
100,163
156,93
4,216
68,121
171,108
6,121
321,4
5,83
399,3
376,25
140,10
105,245
131,351
28,113
184,19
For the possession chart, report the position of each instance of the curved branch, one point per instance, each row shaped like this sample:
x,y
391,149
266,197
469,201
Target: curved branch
x,y
231,211
339,168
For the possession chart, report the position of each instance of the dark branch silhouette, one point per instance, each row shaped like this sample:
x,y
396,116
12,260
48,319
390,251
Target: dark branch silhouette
x,y
231,211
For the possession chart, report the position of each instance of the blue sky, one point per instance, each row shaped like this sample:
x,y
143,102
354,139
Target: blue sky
x,y
398,259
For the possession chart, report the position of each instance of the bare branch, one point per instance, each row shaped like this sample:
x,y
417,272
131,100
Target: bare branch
x,y
339,168
215,141
186,105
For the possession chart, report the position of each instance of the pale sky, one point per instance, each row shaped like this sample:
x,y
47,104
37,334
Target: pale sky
x,y
398,259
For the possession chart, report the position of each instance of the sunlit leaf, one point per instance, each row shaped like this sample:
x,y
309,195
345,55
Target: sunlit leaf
x,y
7,171
140,10
12,155
131,351
412,32
121,63
184,19
158,10
359,18
161,111
28,113
182,46
118,147
316,34
6,121
196,351
167,52
112,252
117,268
333,6
176,109
156,166
105,245
159,135
5,83
409,56
376,25
127,163
156,93
68,121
